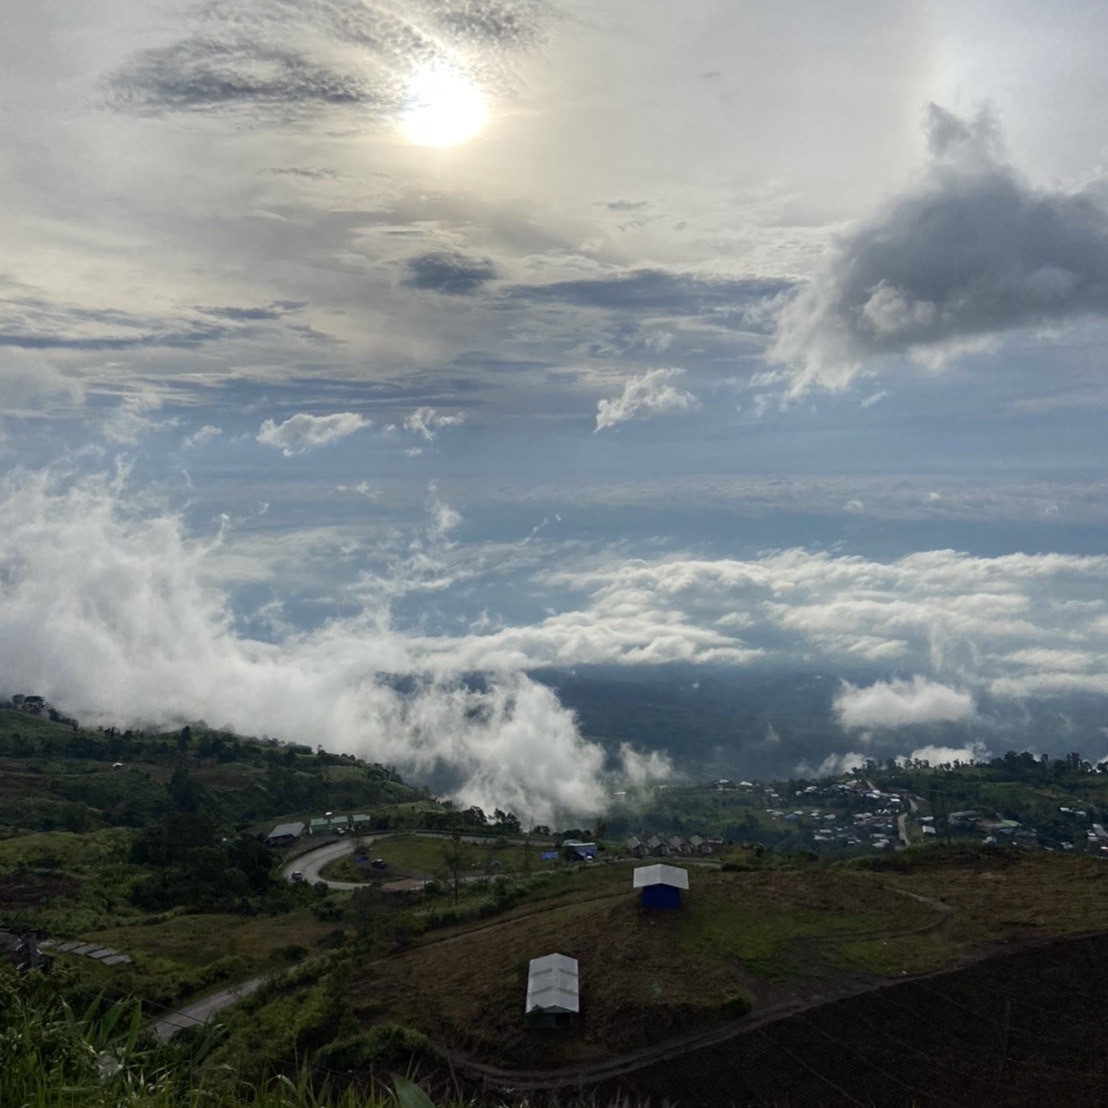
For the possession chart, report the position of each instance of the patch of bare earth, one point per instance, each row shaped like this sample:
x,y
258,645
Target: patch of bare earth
x,y
23,889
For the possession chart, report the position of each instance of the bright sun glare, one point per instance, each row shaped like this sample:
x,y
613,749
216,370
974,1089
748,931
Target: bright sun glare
x,y
444,107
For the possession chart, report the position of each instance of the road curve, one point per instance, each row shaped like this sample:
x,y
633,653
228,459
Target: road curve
x,y
311,862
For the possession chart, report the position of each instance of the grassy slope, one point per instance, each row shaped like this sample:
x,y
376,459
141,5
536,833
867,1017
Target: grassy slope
x,y
773,935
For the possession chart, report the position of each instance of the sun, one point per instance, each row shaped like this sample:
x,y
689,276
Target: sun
x,y
444,107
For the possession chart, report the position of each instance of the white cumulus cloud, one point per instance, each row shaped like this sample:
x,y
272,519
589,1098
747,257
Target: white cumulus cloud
x,y
898,703
305,432
653,393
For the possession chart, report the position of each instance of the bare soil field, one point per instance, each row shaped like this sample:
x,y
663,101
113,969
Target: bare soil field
x,y
1022,1030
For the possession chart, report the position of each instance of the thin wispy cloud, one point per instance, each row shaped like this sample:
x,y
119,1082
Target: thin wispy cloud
x,y
427,422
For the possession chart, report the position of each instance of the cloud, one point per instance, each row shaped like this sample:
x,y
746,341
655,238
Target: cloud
x,y
834,765
428,422
149,638
201,436
969,252
31,386
648,395
284,60
940,755
736,303
305,432
451,274
901,703
132,418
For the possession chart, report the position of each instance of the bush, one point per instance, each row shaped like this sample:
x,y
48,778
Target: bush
x,y
293,952
737,1006
392,1044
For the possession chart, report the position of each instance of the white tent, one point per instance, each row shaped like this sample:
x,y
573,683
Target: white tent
x,y
552,985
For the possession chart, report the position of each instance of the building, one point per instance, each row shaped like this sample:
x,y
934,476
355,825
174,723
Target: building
x,y
284,834
553,992
656,846
579,851
635,847
330,825
661,885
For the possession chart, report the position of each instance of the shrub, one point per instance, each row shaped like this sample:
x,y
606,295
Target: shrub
x,y
737,1006
392,1044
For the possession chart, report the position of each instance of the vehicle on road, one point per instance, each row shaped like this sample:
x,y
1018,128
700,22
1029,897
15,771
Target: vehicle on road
x,y
296,876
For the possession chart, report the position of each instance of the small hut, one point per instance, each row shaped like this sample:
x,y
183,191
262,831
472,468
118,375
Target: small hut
x,y
661,885
553,995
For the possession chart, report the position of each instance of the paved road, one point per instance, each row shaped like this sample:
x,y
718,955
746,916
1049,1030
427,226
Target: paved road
x,y
201,1011
310,863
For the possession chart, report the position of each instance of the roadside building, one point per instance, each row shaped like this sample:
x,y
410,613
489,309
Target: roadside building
x,y
635,847
553,991
284,834
656,846
579,851
661,885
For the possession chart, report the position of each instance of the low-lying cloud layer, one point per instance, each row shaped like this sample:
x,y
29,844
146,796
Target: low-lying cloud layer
x,y
901,703
115,615
972,250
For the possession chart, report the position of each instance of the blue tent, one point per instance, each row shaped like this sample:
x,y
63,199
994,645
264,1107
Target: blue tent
x,y
661,885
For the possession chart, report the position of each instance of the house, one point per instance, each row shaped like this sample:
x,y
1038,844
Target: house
x,y
579,851
661,885
284,834
699,845
553,992
361,822
677,845
635,847
656,847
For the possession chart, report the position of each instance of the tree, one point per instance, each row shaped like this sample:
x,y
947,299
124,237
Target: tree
x,y
456,857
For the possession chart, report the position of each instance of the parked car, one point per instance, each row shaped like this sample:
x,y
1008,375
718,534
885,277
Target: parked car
x,y
296,876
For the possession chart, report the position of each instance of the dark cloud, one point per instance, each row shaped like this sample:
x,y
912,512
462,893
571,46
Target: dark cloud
x,y
276,310
202,73
501,22
33,324
971,250
454,274
255,54
727,300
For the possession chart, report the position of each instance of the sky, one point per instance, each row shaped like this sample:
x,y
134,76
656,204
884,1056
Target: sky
x,y
353,347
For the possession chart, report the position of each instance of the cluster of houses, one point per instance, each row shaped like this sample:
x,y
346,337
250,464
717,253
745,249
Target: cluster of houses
x,y
658,846
553,980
